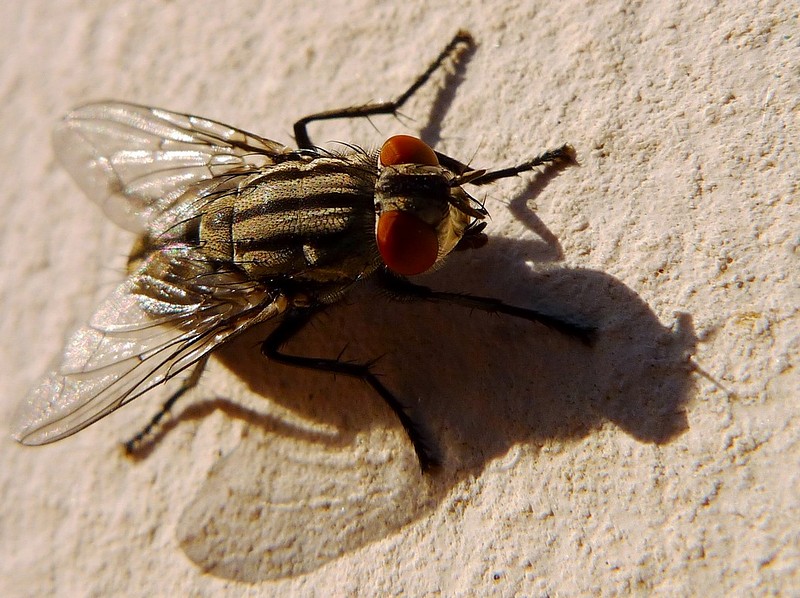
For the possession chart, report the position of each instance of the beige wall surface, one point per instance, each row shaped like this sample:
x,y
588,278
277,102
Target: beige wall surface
x,y
663,459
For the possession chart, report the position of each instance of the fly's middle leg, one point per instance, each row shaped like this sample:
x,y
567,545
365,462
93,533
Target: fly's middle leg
x,y
400,289
460,42
293,322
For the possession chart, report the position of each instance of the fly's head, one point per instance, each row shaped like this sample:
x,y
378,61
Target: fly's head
x,y
422,211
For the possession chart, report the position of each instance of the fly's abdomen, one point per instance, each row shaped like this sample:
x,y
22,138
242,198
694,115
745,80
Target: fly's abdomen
x,y
308,222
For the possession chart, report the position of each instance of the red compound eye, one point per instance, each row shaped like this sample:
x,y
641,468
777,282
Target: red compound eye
x,y
405,149
408,245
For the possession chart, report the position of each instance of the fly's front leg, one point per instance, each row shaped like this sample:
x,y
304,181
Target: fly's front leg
x,y
462,40
293,322
561,156
401,288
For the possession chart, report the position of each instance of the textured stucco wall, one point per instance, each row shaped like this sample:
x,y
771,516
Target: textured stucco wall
x,y
625,468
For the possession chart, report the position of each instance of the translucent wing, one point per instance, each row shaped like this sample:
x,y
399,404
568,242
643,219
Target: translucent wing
x,y
136,162
162,319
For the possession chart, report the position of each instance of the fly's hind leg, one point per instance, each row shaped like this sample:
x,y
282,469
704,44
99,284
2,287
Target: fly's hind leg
x,y
293,322
142,439
460,42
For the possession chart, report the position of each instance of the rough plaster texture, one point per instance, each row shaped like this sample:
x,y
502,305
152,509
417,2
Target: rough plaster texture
x,y
630,467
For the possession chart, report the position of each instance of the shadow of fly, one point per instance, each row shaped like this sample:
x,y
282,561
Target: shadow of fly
x,y
235,229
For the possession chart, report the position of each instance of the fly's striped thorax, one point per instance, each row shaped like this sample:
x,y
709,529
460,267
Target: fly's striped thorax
x,y
300,221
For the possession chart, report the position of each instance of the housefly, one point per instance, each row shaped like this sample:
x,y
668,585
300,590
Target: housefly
x,y
235,229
